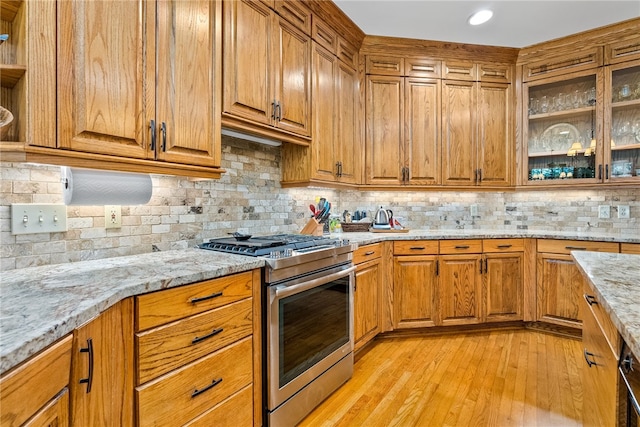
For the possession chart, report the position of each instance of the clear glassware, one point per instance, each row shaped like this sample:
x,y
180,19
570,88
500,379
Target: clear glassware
x,y
575,98
544,104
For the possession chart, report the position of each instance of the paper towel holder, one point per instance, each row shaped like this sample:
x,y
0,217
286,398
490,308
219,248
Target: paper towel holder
x,y
93,187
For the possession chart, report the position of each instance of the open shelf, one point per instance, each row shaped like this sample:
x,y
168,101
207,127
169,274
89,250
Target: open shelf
x,y
562,114
9,9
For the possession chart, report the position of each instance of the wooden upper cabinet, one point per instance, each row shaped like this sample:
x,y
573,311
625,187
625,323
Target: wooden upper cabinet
x,y
384,65
267,70
460,70
569,62
459,136
422,131
384,130
348,123
622,51
102,369
189,56
105,100
296,13
496,147
423,67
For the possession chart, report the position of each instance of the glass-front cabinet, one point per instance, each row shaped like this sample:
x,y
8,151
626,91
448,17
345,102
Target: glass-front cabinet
x,y
622,122
584,127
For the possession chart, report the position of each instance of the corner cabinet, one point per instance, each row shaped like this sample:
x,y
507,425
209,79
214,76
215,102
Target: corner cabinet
x,y
147,100
267,73
581,117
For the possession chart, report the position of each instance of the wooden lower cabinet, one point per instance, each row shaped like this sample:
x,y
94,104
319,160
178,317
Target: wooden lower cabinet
x,y
102,371
367,294
502,286
198,349
35,393
559,283
630,248
414,285
459,289
600,376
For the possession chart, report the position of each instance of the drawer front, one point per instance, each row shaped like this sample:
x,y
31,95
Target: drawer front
x,y
563,64
169,347
384,65
168,305
234,411
40,378
415,247
367,253
604,321
630,248
452,247
503,245
460,70
324,35
423,67
186,393
347,53
566,246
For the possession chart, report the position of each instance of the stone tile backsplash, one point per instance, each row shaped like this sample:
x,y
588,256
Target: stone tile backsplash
x,y
248,199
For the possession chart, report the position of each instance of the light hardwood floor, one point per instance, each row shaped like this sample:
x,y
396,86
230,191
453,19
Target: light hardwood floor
x,y
499,378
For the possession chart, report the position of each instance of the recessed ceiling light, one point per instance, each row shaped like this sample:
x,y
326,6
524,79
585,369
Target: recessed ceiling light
x,y
480,17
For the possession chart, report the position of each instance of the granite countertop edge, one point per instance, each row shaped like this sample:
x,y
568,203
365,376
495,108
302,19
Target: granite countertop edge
x,y
615,279
29,322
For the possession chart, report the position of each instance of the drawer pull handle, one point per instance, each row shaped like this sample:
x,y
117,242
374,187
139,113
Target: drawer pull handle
x,y
575,248
369,253
590,299
209,387
212,296
204,337
586,357
504,246
462,247
89,380
417,248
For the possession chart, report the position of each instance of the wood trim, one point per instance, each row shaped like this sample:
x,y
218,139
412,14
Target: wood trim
x,y
562,64
386,315
250,127
622,51
257,347
530,282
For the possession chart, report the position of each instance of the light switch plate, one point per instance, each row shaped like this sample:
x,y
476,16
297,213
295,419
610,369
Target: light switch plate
x,y
604,211
623,212
112,216
38,218
474,210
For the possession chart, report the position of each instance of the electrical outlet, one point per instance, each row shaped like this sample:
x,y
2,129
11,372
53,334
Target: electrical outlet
x,y
112,216
41,218
604,211
474,210
623,212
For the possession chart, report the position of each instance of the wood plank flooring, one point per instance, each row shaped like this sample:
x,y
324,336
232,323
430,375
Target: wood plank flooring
x,y
498,378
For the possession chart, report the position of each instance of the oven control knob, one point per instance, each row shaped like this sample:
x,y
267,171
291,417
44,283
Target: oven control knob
x,y
287,252
275,254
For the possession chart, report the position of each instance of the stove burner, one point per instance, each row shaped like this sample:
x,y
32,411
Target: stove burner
x,y
266,245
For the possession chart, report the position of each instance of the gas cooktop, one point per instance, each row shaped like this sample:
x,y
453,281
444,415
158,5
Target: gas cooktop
x,y
270,245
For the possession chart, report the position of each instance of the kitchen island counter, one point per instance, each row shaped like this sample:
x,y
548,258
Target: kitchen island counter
x,y
615,279
39,305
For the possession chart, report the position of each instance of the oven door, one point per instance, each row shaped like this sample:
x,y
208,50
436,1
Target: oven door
x,y
310,328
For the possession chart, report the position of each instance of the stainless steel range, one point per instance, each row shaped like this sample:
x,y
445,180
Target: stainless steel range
x,y
308,327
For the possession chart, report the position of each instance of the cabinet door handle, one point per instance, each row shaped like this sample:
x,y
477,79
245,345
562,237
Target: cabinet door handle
x,y
590,299
575,248
461,247
479,175
278,111
437,267
89,380
152,125
599,172
208,387
273,109
586,358
476,178
504,246
606,171
209,335
480,266
486,266
212,296
369,253
417,248
163,130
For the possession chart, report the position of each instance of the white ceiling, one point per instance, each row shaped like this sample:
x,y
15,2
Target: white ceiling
x,y
515,23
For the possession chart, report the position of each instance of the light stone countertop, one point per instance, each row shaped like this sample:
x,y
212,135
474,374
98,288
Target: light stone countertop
x,y
616,281
39,305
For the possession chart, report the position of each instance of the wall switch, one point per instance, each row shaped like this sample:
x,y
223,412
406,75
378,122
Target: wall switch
x,y
604,211
474,210
42,218
623,212
112,216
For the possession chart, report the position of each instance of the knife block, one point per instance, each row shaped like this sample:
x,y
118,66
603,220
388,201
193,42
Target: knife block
x,y
313,227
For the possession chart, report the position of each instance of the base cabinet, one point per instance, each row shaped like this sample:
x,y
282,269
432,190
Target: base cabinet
x,y
503,279
367,294
102,369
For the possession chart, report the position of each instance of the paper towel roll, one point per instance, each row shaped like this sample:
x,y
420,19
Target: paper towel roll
x,y
87,187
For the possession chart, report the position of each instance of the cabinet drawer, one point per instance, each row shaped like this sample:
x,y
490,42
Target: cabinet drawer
x,y
503,245
423,67
630,248
622,51
234,411
385,65
324,35
566,246
184,394
495,73
165,306
467,71
563,64
296,13
415,247
40,379
367,253
168,347
452,247
604,321
347,53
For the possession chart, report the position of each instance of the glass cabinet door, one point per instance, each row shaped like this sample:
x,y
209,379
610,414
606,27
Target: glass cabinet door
x,y
623,123
561,130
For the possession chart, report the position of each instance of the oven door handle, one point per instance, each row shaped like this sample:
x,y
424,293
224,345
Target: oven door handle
x,y
285,291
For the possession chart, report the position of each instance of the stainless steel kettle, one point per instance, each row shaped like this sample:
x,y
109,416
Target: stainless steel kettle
x,y
381,220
